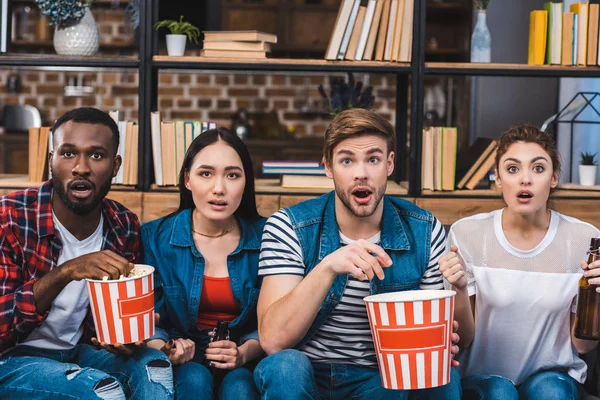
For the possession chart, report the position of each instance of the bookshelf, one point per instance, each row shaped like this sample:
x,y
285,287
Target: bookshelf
x,y
410,78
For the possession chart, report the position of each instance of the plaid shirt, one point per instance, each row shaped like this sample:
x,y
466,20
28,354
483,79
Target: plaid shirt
x,y
30,247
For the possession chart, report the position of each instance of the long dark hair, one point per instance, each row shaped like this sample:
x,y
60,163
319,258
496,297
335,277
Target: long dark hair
x,y
247,208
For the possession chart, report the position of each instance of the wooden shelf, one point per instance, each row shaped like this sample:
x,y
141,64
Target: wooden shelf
x,y
50,43
54,60
566,191
485,69
17,181
278,64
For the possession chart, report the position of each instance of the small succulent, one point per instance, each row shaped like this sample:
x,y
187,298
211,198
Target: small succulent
x,y
62,13
588,158
482,4
347,94
180,28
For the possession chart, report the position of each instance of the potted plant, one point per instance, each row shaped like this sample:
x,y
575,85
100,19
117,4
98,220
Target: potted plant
x,y
588,169
177,39
345,95
75,30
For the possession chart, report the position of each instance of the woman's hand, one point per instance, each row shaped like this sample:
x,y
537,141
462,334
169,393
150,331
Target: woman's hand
x,y
452,269
225,354
179,351
592,272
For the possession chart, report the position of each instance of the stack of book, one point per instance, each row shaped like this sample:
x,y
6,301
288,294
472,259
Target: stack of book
x,y
382,30
298,174
237,44
129,139
439,158
564,38
170,141
474,166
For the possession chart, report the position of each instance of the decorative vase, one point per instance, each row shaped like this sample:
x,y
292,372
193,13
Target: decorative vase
x,y
176,44
481,41
587,175
78,39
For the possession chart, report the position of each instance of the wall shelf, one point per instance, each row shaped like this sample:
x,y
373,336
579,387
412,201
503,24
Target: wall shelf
x,y
539,71
53,60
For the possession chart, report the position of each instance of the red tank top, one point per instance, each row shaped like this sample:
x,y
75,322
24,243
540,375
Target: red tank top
x,y
216,302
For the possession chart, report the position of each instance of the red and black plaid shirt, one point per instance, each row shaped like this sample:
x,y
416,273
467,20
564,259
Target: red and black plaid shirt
x,y
30,247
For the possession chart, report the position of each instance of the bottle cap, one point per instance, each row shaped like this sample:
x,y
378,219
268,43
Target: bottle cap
x,y
595,244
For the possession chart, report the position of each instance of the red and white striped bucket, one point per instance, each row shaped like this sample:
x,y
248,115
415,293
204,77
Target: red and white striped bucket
x,y
412,336
123,309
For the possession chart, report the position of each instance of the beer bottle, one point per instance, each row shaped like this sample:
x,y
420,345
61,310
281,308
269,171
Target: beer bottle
x,y
587,319
221,332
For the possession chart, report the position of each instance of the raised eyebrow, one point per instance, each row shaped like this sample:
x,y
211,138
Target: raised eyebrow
x,y
204,166
538,159
233,168
513,160
345,151
375,150
91,148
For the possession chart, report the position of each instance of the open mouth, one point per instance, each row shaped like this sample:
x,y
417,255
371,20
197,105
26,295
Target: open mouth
x,y
220,203
81,188
362,195
525,195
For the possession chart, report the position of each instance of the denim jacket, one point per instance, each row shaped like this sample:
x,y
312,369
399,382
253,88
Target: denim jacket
x,y
169,247
405,237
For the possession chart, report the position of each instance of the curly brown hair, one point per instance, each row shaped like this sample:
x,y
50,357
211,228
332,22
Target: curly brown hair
x,y
529,134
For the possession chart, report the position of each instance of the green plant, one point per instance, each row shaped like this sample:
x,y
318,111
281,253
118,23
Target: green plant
x,y
345,95
588,158
63,13
180,28
482,4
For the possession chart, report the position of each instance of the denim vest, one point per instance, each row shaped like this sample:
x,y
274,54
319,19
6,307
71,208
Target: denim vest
x,y
169,247
405,237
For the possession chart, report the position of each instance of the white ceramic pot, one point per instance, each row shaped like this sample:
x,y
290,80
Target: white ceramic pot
x,y
587,175
176,44
79,39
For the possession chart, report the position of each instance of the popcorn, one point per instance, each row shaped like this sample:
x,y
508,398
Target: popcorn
x,y
137,271
105,278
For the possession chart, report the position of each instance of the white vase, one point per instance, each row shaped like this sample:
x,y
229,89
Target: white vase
x,y
481,41
587,175
176,44
79,39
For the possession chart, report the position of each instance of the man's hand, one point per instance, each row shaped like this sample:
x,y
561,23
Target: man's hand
x,y
97,265
455,339
452,269
224,354
592,272
362,259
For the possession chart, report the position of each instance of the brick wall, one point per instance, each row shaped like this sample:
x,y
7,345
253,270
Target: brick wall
x,y
194,95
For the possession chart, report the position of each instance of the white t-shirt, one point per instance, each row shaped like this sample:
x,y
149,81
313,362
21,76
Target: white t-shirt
x,y
524,299
63,327
345,338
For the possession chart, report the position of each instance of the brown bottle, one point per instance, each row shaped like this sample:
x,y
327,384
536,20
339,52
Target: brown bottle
x,y
587,319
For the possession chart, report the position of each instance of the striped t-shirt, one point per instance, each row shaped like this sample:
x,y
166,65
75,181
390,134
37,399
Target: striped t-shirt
x,y
345,338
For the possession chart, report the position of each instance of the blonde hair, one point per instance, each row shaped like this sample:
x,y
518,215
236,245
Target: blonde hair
x,y
356,122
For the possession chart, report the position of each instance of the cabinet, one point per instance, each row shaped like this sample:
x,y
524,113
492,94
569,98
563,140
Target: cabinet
x,y
410,80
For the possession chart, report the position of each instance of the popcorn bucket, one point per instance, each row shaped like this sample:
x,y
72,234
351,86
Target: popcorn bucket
x,y
123,310
412,332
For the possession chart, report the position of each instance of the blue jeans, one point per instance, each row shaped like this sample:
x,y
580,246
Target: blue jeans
x,y
84,372
547,385
290,374
194,381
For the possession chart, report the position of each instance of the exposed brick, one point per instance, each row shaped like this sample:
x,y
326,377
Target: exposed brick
x,y
223,104
317,80
280,92
130,78
31,101
91,102
128,102
297,116
203,79
242,92
51,78
165,79
184,79
184,103
297,80
165,103
32,77
278,80
70,101
109,102
204,103
110,78
319,128
260,104
105,30
281,104
204,91
243,104
172,91
222,79
259,79
187,115
50,89
134,114
241,79
378,80
50,102
119,91
223,115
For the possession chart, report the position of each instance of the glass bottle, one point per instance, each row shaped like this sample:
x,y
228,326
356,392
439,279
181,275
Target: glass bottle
x,y
587,319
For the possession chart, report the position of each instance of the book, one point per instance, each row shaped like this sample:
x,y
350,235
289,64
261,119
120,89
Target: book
x,y
167,141
33,143
291,164
370,48
233,54
575,44
567,39
156,146
126,163
365,30
294,171
133,177
243,46
43,150
592,49
121,151
348,31
538,21
554,32
383,27
353,46
581,9
482,171
437,158
5,25
427,160
397,30
338,30
306,182
405,54
470,160
241,36
391,30
449,143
